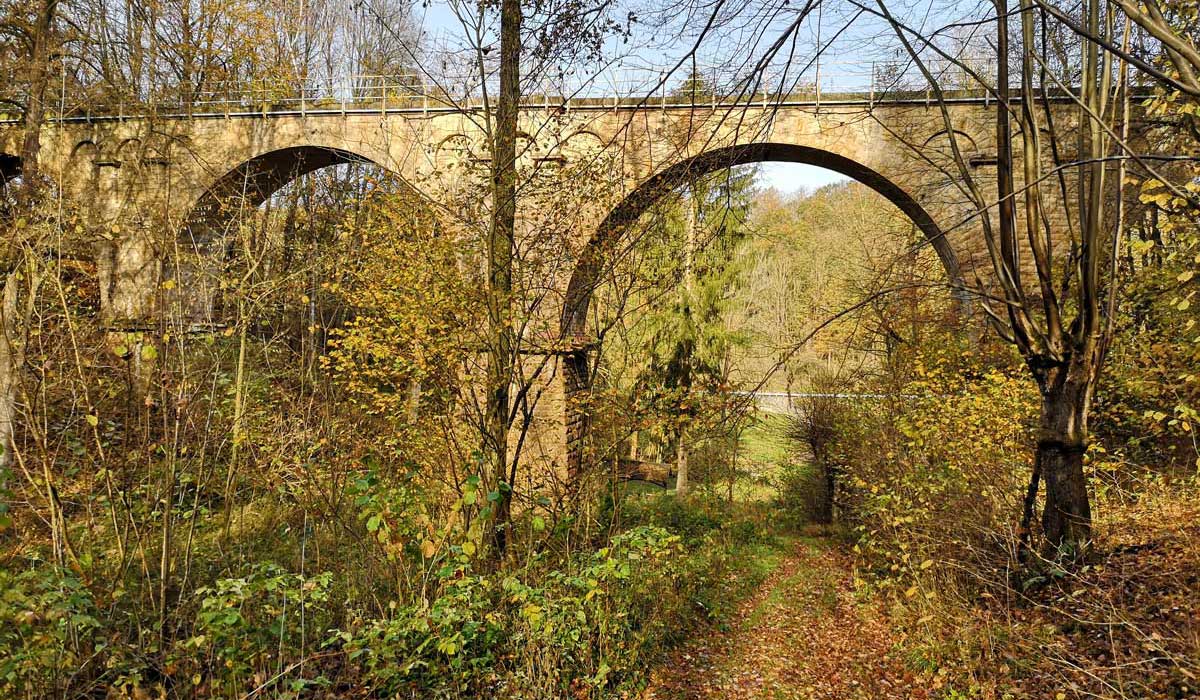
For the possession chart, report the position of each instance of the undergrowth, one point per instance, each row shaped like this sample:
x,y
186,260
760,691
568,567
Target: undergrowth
x,y
586,624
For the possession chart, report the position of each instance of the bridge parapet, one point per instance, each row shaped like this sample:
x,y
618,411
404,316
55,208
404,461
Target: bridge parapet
x,y
620,86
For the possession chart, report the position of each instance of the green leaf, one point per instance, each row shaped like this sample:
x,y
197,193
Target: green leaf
x,y
92,420
373,523
149,353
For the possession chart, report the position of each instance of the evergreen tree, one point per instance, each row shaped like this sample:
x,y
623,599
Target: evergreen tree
x,y
685,337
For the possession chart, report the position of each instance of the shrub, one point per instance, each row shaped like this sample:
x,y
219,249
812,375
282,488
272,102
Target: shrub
x,y
935,470
247,628
534,633
48,626
803,493
701,518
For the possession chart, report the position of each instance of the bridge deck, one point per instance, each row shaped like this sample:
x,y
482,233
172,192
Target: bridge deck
x,y
424,105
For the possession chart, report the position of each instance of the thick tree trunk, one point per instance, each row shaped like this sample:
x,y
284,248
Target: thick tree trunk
x,y
824,515
692,206
10,367
11,357
1062,441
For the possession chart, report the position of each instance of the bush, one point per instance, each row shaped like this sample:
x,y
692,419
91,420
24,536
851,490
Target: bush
x,y
247,628
701,518
536,633
804,496
48,626
935,470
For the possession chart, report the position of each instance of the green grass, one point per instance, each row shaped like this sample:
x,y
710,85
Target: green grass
x,y
793,587
765,442
764,445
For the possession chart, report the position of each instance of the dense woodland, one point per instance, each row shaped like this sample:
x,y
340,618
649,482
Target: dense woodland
x,y
315,491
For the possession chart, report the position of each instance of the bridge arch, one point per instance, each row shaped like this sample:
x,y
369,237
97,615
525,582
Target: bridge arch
x,y
252,182
599,247
201,239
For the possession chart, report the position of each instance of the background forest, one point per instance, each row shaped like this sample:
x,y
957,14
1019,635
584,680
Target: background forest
x,y
294,498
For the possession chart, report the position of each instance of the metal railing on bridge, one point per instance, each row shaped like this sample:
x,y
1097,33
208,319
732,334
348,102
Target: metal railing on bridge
x,y
620,86
790,402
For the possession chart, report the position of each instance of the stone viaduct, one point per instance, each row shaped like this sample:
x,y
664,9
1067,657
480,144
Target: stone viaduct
x,y
157,183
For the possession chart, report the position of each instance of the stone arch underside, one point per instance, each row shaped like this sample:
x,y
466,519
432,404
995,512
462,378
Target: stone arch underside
x,y
599,248
202,237
251,183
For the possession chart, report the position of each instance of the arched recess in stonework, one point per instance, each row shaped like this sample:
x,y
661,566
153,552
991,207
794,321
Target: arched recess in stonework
x,y
941,141
80,173
10,169
202,238
596,254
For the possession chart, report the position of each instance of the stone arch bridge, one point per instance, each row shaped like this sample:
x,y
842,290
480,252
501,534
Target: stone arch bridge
x,y
154,181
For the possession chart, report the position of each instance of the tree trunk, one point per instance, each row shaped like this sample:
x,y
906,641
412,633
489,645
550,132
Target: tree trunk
x,y
828,484
10,366
689,254
35,111
681,465
11,351
1062,441
502,345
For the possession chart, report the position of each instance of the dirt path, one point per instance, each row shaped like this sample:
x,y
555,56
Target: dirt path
x,y
802,636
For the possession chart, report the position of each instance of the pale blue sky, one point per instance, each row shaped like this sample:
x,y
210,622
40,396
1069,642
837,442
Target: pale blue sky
x,y
791,177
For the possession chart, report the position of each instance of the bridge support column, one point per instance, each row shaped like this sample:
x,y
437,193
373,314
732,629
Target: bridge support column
x,y
129,269
576,419
128,213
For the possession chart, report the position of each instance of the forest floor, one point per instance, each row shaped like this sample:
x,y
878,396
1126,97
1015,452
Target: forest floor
x,y
803,635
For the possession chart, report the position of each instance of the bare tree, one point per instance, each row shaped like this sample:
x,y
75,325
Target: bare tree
x,y
1050,233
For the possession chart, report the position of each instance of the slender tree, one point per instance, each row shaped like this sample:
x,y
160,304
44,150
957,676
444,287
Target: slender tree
x,y
500,249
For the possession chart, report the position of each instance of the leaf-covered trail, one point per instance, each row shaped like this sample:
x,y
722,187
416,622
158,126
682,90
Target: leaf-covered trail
x,y
801,636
